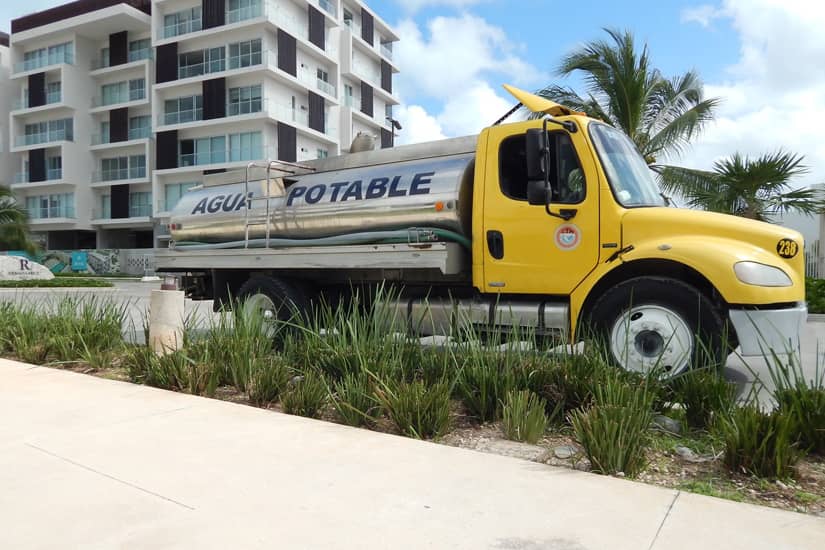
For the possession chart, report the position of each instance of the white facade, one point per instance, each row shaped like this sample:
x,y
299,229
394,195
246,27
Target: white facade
x,y
208,85
6,171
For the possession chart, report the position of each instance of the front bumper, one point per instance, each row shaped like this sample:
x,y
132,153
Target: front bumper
x,y
761,331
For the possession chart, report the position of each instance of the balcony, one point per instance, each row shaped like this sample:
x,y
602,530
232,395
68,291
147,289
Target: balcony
x,y
136,173
368,73
286,113
103,216
51,98
180,117
241,154
134,133
43,137
65,58
386,51
132,95
184,27
135,55
54,212
242,14
51,175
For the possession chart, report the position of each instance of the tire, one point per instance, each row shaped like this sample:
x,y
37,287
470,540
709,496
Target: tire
x,y
652,323
277,298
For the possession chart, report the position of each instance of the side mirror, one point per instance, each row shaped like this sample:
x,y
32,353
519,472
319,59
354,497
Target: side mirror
x,y
537,153
538,193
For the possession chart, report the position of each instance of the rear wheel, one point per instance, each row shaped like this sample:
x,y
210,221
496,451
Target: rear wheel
x,y
276,298
656,323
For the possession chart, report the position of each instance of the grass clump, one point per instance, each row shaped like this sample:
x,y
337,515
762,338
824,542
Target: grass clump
x,y
758,443
305,395
705,396
268,377
417,410
613,430
803,401
524,416
354,399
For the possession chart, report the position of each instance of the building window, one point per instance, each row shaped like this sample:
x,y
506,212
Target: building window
x,y
140,127
140,204
105,207
53,92
182,22
348,18
183,109
137,166
44,132
244,100
322,153
174,191
212,60
53,55
123,92
210,150
123,168
59,205
140,49
241,10
246,146
137,89
54,168
104,57
348,98
245,54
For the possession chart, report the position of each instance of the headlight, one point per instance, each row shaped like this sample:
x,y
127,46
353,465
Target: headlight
x,y
753,273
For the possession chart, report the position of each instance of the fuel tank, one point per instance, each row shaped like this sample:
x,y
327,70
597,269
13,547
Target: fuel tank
x,y
428,192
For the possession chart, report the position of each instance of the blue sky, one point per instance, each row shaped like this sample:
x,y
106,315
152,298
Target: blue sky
x,y
762,58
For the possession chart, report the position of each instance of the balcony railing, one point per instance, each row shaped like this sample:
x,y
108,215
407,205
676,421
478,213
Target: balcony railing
x,y
184,27
267,58
242,14
180,117
138,172
52,174
140,210
44,137
132,95
134,133
134,55
51,97
51,212
229,155
286,113
44,61
328,7
371,74
386,51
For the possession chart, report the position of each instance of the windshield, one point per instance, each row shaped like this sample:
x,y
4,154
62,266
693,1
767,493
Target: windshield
x,y
628,174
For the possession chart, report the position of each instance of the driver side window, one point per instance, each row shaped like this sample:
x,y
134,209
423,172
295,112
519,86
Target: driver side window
x,y
566,176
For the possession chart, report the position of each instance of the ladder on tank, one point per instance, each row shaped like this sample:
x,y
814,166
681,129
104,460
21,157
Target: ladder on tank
x,y
271,166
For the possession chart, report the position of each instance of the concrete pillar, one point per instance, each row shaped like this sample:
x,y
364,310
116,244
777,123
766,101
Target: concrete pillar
x,y
166,315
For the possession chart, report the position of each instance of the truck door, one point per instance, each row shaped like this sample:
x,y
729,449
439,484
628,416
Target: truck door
x,y
526,250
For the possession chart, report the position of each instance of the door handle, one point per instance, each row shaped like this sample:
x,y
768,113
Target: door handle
x,y
495,244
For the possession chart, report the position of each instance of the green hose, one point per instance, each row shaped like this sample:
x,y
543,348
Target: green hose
x,y
402,236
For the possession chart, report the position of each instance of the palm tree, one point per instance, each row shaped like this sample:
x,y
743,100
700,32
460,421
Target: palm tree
x,y
756,189
660,115
13,226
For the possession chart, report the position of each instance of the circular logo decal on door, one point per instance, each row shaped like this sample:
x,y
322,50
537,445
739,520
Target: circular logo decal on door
x,y
568,236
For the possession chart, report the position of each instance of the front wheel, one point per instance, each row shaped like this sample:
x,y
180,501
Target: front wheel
x,y
656,323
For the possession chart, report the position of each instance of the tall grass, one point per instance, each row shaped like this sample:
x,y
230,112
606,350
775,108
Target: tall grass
x,y
613,430
802,399
705,396
524,417
416,409
758,442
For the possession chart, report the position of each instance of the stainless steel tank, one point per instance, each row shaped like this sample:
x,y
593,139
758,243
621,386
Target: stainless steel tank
x,y
435,192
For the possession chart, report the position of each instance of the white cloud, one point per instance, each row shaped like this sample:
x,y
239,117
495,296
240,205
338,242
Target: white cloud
x,y
704,14
774,96
450,63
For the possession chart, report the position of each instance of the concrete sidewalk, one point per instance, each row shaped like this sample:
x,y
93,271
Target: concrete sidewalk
x,y
92,463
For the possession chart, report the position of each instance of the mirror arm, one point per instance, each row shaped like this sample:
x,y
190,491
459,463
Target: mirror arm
x,y
565,213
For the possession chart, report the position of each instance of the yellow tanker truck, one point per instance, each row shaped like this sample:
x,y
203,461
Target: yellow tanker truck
x,y
552,224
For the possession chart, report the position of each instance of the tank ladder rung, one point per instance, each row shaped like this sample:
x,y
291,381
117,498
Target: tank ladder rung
x,y
272,165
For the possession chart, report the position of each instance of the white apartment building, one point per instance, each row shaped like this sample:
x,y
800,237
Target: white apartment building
x,y
6,171
120,106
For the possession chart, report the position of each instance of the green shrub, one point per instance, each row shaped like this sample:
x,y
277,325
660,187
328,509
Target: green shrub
x,y
236,341
306,395
485,377
416,409
268,377
758,443
815,295
354,399
802,398
524,417
705,396
613,430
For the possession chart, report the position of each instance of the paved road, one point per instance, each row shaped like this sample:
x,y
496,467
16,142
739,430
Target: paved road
x,y
92,463
135,296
